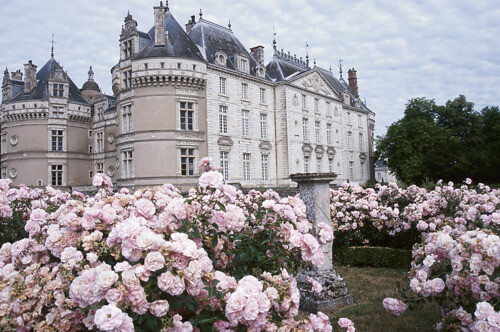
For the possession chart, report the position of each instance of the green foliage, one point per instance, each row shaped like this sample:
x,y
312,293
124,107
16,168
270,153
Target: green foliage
x,y
373,257
12,229
449,142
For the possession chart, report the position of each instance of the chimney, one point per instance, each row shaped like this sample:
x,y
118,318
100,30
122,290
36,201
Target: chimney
x,y
17,75
160,25
353,81
29,77
258,53
190,24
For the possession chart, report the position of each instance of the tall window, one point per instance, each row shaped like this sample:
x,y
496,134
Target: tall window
x,y
127,119
360,141
351,170
360,123
244,91
306,164
100,142
127,79
329,133
362,172
316,105
57,90
243,65
223,119
246,166
304,129
186,115
224,164
330,165
262,96
127,48
57,112
317,125
4,142
318,164
349,140
128,166
328,109
187,161
244,122
265,167
57,140
222,85
4,172
263,126
56,172
304,104
100,168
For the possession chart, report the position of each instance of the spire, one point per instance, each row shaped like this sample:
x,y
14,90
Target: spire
x,y
52,49
166,6
274,40
6,72
201,14
91,74
340,67
307,55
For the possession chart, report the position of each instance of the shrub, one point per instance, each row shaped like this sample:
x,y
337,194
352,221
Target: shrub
x,y
373,257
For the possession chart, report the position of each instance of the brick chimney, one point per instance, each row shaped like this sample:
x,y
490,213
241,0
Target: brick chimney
x,y
160,25
258,53
190,24
353,81
29,77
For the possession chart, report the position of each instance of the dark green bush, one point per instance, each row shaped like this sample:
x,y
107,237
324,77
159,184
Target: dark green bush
x,y
373,257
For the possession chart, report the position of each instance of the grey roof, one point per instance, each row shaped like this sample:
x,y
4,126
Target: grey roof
x,y
380,163
280,70
177,43
328,75
91,85
111,103
41,90
212,38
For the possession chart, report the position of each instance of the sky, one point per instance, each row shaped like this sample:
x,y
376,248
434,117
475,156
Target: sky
x,y
401,50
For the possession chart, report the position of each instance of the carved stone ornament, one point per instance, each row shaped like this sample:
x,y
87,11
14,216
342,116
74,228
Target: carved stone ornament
x,y
13,173
315,82
111,171
307,149
111,138
225,140
319,150
362,157
336,112
14,139
331,151
265,146
295,100
220,58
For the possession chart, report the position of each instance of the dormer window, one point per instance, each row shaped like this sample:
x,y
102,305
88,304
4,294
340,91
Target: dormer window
x,y
57,90
220,58
127,48
244,65
260,70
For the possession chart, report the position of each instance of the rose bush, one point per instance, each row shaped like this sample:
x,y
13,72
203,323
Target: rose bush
x,y
155,260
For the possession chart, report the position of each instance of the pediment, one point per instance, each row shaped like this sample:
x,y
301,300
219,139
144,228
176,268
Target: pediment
x,y
265,146
225,141
315,82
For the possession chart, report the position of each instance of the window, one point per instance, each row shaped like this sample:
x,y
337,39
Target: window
x,y
56,172
265,167
127,79
187,161
4,172
243,65
222,85
351,170
179,65
194,67
57,112
328,109
360,141
127,119
145,66
304,129
362,172
304,104
379,176
162,65
244,91
348,117
306,164
57,90
57,140
330,165
349,140
127,48
91,174
262,96
224,164
244,122
4,142
329,133
90,134
318,164
263,126
186,115
128,167
100,142
100,168
99,113
91,149
316,105
246,166
223,119
317,125
360,123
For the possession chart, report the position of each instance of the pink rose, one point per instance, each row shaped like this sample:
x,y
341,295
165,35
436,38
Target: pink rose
x,y
211,179
394,306
145,208
171,284
154,261
159,308
317,287
109,317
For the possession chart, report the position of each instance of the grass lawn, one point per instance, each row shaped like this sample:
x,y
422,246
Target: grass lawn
x,y
369,286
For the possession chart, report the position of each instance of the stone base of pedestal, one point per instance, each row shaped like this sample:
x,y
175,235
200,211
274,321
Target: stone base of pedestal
x,y
333,296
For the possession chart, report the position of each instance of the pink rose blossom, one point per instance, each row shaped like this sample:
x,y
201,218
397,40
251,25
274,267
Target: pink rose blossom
x,y
394,306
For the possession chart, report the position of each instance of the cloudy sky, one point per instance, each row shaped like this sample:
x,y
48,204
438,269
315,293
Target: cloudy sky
x,y
400,49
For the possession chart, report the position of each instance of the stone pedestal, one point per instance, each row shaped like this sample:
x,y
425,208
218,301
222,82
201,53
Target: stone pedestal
x,y
314,190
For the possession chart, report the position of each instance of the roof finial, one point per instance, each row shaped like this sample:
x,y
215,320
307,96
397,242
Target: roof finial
x,y
201,14
166,5
229,25
6,72
340,67
91,74
274,39
307,55
52,49
314,62
330,68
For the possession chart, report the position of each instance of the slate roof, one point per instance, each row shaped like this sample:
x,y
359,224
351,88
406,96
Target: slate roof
x,y
41,90
212,38
111,103
91,85
380,163
177,43
280,70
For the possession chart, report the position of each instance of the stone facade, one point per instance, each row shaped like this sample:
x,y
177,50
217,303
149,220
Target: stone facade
x,y
180,95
